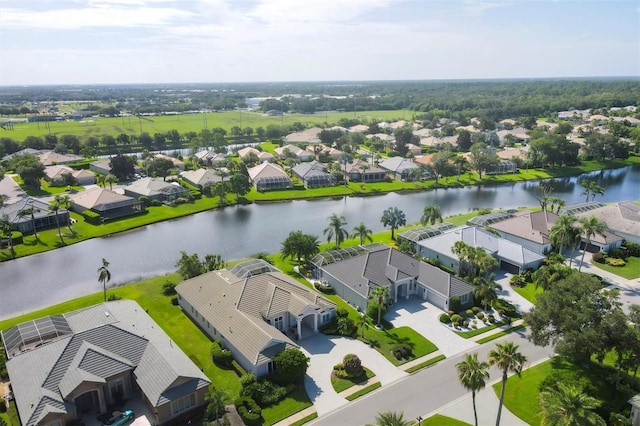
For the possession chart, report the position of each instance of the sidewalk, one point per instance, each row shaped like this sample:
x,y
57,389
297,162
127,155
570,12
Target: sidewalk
x,y
497,330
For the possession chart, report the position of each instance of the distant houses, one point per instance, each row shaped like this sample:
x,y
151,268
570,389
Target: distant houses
x,y
267,176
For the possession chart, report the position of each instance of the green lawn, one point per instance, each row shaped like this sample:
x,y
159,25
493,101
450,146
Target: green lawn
x,y
340,384
500,334
305,419
425,364
521,394
481,330
529,292
363,391
439,420
293,403
630,271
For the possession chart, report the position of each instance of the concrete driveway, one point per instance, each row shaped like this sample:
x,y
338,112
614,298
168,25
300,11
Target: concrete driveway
x,y
327,351
423,317
509,294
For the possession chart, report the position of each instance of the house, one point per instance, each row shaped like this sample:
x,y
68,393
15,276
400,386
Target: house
x,y
414,149
64,368
49,158
56,175
108,204
29,215
622,219
307,136
313,175
359,128
155,189
102,167
511,257
361,171
252,309
177,163
324,150
26,151
293,152
202,178
262,156
210,158
635,410
517,135
267,176
400,168
356,272
529,229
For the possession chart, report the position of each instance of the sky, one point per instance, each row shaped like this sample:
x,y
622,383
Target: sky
x,y
196,41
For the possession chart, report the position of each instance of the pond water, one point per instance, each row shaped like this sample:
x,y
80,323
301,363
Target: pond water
x,y
242,231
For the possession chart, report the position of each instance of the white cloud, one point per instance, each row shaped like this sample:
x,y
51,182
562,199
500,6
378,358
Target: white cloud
x,y
479,7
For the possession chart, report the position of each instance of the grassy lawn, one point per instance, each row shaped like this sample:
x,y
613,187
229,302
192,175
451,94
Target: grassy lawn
x,y
529,292
293,403
340,384
305,419
500,334
629,271
363,391
384,340
482,330
439,420
5,417
521,394
425,364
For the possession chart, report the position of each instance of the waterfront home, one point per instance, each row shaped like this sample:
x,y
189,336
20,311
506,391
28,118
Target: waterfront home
x,y
267,176
254,310
155,189
106,203
313,175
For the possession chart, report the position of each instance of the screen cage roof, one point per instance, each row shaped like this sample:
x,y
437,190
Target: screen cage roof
x,y
581,207
490,219
337,255
420,234
252,267
31,334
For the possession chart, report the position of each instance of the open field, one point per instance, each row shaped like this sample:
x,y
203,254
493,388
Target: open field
x,y
184,123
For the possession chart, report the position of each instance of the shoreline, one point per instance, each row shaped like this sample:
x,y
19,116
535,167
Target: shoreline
x,y
353,190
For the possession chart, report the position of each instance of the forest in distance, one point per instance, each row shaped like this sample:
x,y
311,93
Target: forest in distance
x,y
458,99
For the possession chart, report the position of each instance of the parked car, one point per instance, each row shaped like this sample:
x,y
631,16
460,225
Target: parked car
x,y
119,418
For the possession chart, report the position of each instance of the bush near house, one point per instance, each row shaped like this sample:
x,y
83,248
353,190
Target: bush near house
x,y
445,318
220,356
402,351
616,262
633,249
508,309
352,365
249,411
598,257
264,392
91,217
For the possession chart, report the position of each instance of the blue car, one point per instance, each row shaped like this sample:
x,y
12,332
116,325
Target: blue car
x,y
119,418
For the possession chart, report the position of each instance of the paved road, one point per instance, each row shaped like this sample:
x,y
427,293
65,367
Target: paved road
x,y
426,391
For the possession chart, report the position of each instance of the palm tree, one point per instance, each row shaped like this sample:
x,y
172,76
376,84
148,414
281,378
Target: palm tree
x,y
346,159
100,180
6,230
30,212
391,418
461,249
507,358
431,214
104,276
564,233
335,229
461,163
485,290
591,189
381,295
569,405
394,218
472,374
110,179
55,208
65,202
362,232
590,227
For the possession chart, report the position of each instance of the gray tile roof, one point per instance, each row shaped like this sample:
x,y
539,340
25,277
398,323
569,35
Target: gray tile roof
x,y
397,164
108,339
532,226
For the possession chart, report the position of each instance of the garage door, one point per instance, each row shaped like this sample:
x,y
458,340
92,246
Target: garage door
x,y
436,299
509,267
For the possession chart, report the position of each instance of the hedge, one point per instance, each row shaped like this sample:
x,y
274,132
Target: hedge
x,y
91,216
249,411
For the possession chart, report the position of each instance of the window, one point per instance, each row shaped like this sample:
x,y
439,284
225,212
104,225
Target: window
x,y
278,323
326,317
117,389
271,367
183,404
464,298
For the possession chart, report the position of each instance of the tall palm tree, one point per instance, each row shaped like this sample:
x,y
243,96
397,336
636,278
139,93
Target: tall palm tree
x,y
336,229
100,180
55,209
507,358
362,232
104,276
472,374
391,418
461,163
381,295
485,290
590,227
568,405
65,202
394,218
564,234
461,249
431,214
591,189
30,212
346,159
110,179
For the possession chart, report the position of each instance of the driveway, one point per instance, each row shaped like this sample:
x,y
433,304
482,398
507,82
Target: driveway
x,y
327,351
509,294
423,317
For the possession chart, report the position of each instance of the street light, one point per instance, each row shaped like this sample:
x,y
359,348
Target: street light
x,y
419,419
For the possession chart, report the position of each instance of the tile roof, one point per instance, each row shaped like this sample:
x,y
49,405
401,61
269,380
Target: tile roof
x,y
397,164
532,226
623,217
204,177
100,199
266,170
152,186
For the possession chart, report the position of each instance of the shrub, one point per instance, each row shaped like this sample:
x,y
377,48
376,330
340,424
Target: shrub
x,y
219,355
249,411
16,237
619,253
113,297
401,351
615,262
342,313
372,310
352,365
345,326
633,249
450,312
3,406
91,216
508,308
598,257
518,281
263,392
492,319
144,200
156,203
475,310
480,315
469,312
169,288
445,319
456,324
454,304
174,300
456,318
322,288
465,323
500,312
